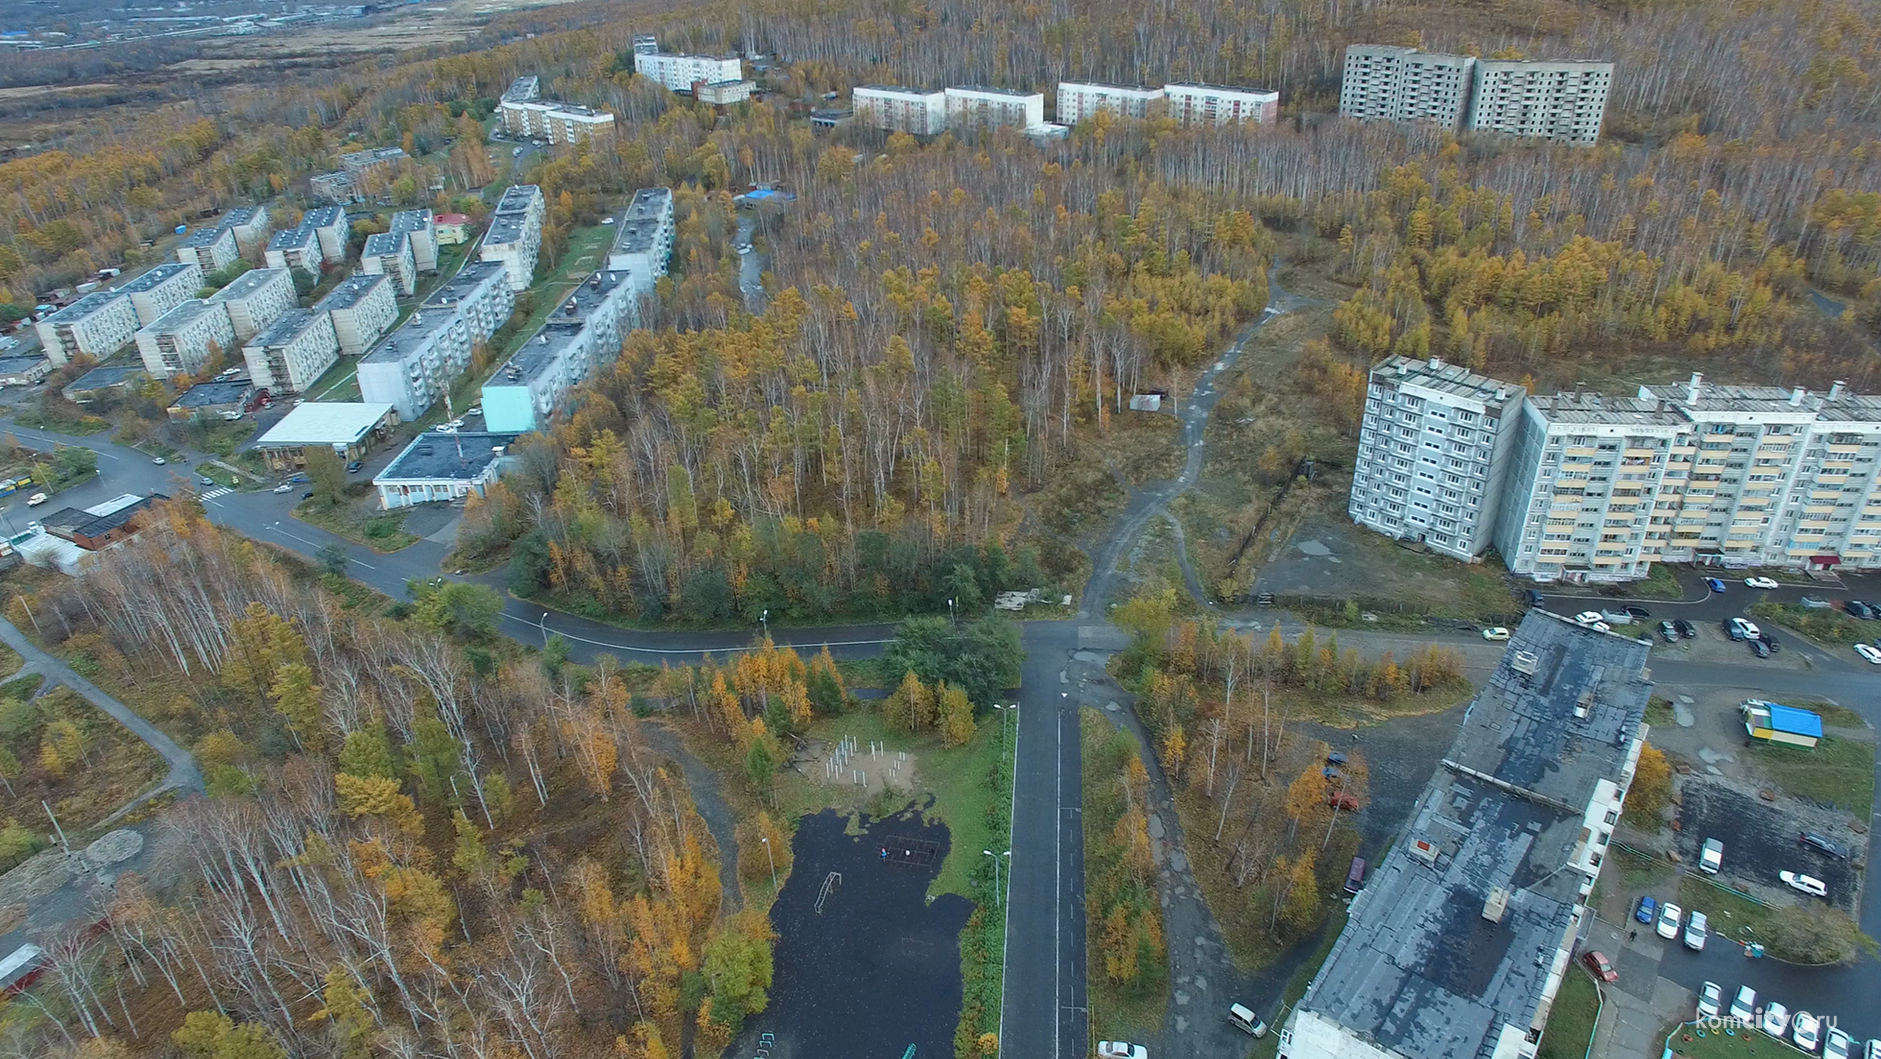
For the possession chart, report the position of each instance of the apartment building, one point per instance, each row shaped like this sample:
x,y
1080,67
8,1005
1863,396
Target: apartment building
x,y
515,234
723,93
1434,454
295,248
978,107
421,227
331,227
416,363
555,122
211,249
1595,485
97,325
523,89
1200,104
1078,100
1562,102
1831,513
249,224
678,72
357,162
643,243
362,308
1387,83
390,254
895,109
292,353
255,299
179,342
480,293
584,332
646,44
162,288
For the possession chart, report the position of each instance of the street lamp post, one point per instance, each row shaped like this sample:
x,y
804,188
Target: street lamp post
x,y
545,630
951,616
764,619
997,895
767,856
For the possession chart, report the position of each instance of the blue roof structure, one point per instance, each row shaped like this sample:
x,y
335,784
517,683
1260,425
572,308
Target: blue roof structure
x,y
1794,721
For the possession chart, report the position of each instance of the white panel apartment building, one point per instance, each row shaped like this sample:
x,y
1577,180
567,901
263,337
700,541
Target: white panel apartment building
x,y
1199,104
416,363
162,288
894,109
644,243
1558,101
330,226
249,224
583,333
390,254
292,353
178,342
678,72
515,234
1387,83
479,293
1078,100
555,122
421,227
213,249
97,325
255,299
978,107
295,248
1433,454
363,308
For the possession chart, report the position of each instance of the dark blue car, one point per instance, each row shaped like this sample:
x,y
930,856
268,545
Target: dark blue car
x,y
1714,585
1647,911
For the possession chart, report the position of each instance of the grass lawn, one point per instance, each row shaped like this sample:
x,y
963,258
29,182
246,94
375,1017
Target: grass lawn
x,y
10,660
1661,583
1716,1044
21,688
38,418
1733,919
1571,1021
1837,772
1821,625
381,532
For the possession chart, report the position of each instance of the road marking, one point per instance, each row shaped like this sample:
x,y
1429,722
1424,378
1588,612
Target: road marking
x,y
216,492
1058,891
276,527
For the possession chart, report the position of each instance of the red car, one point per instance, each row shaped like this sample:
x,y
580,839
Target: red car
x,y
1342,800
1598,964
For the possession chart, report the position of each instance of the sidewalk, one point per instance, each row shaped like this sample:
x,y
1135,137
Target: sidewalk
x,y
1636,1009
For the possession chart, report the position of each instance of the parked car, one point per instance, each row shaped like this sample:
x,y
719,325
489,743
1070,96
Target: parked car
x,y
1496,632
1670,917
1760,582
1121,1050
1835,1044
353,467
1711,856
1648,909
1342,800
308,495
1873,1051
1686,629
1710,999
1669,631
1744,1005
1808,884
1855,608
1868,651
477,411
1715,585
1637,611
203,479
1696,928
1335,758
1246,1021
1776,1018
1533,598
1741,629
1806,1031
36,499
1823,845
284,487
1760,649
1768,639
158,460
1601,966
1588,617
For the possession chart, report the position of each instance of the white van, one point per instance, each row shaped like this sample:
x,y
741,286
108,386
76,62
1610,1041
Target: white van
x,y
1246,1020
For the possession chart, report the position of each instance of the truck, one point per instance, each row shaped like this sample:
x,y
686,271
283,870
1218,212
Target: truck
x,y
20,967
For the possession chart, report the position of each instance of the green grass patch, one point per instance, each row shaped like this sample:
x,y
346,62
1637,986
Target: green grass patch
x,y
10,660
983,939
39,417
1716,1044
1837,772
1732,918
1127,956
1571,1020
1661,583
217,436
23,688
1659,713
1819,624
380,532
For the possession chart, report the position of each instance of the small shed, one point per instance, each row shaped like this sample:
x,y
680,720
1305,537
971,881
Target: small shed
x,y
1773,722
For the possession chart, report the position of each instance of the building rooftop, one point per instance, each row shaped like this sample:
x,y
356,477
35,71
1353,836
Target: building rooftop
x,y
1848,408
505,229
325,423
21,365
238,216
411,221
518,198
287,328
350,291
1242,89
1108,87
523,89
452,218
902,90
84,307
292,239
380,243
462,456
324,217
642,222
1450,379
357,160
206,394
561,328
156,277
99,519
465,283
1420,970
1020,93
202,237
1597,410
100,378
248,283
1698,395
414,333
1793,720
181,315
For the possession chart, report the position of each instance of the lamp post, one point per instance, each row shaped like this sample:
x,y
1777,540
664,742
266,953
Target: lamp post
x,y
1002,715
951,616
997,898
764,619
767,856
545,630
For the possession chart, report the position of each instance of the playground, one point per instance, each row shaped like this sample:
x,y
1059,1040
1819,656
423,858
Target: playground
x,y
866,966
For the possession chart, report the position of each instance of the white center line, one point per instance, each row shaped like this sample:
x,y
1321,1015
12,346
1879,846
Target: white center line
x,y
1058,889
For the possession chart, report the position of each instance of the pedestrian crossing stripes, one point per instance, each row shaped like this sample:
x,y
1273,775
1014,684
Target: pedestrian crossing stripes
x,y
222,490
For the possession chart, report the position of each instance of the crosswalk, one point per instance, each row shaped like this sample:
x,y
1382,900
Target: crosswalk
x,y
221,490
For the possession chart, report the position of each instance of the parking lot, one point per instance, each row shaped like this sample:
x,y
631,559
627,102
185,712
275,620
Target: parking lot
x,y
1760,839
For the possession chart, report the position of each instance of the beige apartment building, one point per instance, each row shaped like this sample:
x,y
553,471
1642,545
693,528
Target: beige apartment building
x,y
896,109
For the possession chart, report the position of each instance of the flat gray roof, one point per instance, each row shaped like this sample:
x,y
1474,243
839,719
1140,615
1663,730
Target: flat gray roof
x,y
248,283
1022,94
562,326
384,243
460,286
417,329
84,307
325,423
460,457
1452,379
324,217
287,328
20,365
238,216
99,378
156,276
522,89
177,316
292,239
204,394
202,237
350,291
517,198
903,90
1595,409
411,220
504,229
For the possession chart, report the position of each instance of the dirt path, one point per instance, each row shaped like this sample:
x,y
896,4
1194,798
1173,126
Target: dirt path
x,y
703,783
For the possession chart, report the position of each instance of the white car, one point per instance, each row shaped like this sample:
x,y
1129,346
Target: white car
x,y
1869,652
1760,582
284,487
1121,1050
1695,931
158,460
1496,633
36,499
1806,1031
1836,1044
1591,619
1710,1000
1776,1018
1747,627
1744,1006
1808,884
1711,856
1670,915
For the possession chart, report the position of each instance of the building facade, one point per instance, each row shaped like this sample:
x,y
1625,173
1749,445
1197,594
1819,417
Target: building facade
x,y
555,122
292,353
1383,82
345,428
249,225
894,109
390,254
678,72
255,299
295,248
643,243
97,325
331,227
421,228
978,107
417,363
723,93
1200,104
363,308
161,288
584,332
1434,454
1562,102
179,342
437,468
211,249
515,235
1078,100
479,293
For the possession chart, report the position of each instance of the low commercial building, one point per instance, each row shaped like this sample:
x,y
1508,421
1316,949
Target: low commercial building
x,y
417,363
102,382
24,371
978,107
249,225
162,288
182,341
362,308
1078,100
643,243
584,332
515,235
255,299
678,72
453,228
896,109
480,294
357,162
443,467
292,353
1458,944
101,525
336,186
207,400
1202,104
723,93
331,227
390,254
97,325
348,428
212,249
295,248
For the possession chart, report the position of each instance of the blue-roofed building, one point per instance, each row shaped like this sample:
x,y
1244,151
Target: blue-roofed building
x,y
1774,722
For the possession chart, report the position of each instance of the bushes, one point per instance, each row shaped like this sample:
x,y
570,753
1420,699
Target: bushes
x,y
1129,965
983,940
1821,625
